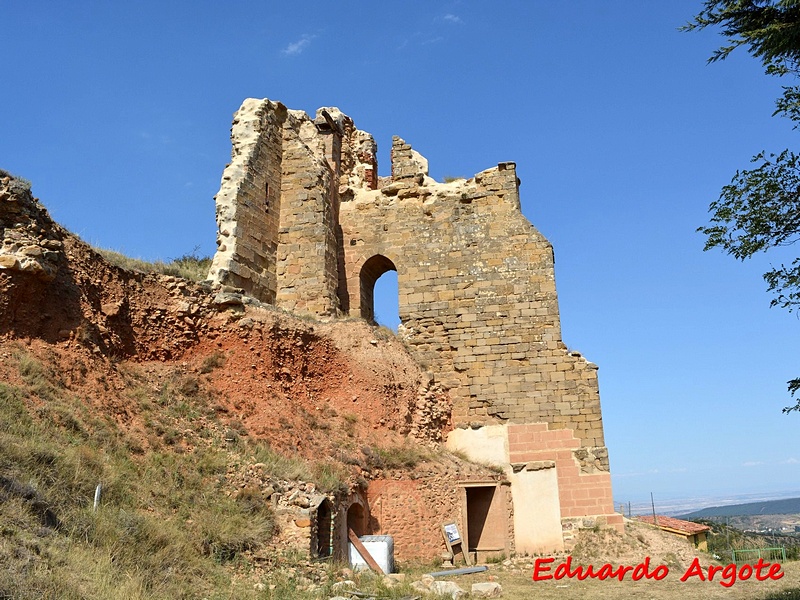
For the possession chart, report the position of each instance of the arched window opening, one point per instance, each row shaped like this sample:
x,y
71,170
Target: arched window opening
x,y
371,271
386,301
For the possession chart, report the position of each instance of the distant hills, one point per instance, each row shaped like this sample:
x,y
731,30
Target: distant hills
x,y
786,506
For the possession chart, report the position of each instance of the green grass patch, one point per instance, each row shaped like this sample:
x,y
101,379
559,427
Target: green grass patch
x,y
327,475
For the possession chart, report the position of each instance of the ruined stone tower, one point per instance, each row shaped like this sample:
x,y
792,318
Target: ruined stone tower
x,y
305,223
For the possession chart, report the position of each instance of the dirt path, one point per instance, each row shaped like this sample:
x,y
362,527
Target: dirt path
x,y
639,542
518,585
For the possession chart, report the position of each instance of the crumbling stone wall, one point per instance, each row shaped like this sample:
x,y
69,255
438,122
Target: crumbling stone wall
x,y
477,293
277,208
249,201
29,241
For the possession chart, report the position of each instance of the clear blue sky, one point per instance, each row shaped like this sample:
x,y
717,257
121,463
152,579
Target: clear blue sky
x,y
119,113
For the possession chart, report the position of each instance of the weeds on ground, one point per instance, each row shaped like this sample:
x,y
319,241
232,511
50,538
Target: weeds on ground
x,y
496,558
164,527
189,266
211,362
285,583
385,333
17,184
329,476
792,594
405,456
349,424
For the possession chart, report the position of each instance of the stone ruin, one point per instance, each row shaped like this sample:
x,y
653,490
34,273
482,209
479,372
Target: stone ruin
x,y
305,223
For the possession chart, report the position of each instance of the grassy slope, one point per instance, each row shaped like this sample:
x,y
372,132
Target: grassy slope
x,y
189,266
170,523
164,528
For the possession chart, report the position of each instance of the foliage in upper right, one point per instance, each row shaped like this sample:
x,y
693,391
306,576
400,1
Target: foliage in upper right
x,y
760,208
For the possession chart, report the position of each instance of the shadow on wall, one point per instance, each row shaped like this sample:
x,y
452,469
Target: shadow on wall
x,y
357,519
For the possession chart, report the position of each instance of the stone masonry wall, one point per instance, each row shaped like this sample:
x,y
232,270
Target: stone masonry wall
x,y
308,253
249,201
277,209
477,294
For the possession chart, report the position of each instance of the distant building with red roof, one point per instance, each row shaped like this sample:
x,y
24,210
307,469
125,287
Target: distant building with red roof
x,y
695,533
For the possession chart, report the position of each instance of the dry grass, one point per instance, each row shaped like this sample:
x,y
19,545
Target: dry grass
x,y
405,456
329,476
165,527
638,543
519,585
189,266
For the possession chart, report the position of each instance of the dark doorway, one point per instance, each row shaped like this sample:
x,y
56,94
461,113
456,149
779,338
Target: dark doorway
x,y
324,521
487,522
357,519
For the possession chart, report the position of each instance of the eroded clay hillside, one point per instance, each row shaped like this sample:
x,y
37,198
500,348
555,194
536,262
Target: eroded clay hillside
x,y
302,384
233,429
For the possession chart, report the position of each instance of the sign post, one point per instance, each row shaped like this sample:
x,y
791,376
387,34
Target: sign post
x,y
453,541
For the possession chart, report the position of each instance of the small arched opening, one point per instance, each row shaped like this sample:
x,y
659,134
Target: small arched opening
x,y
324,547
386,301
357,519
371,271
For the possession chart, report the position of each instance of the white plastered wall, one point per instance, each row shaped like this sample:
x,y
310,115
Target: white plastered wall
x,y
537,510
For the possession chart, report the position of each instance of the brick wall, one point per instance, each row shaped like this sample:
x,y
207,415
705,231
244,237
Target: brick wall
x,y
400,509
413,511
584,483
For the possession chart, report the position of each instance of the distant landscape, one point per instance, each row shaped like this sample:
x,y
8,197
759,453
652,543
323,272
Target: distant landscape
x,y
785,506
680,507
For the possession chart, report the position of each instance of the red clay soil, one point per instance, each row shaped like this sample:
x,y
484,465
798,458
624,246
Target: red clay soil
x,y
310,388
